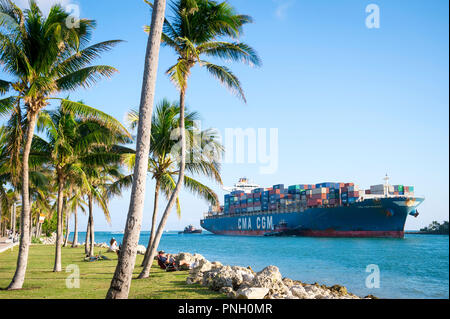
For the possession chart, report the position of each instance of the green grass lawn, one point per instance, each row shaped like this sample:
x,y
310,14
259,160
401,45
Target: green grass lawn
x,y
95,278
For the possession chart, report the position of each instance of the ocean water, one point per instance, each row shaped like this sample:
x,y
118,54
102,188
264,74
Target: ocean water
x,y
414,267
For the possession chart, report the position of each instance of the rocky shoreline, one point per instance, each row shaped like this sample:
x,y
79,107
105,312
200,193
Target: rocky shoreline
x,y
243,283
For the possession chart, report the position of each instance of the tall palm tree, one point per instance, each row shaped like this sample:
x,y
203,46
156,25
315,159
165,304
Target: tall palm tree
x,y
45,57
199,28
100,178
72,144
75,202
120,284
164,165
42,206
10,159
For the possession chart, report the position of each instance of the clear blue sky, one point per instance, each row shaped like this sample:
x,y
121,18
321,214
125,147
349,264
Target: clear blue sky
x,y
350,103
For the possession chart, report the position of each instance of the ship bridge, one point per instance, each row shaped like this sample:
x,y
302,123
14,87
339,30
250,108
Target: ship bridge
x,y
244,185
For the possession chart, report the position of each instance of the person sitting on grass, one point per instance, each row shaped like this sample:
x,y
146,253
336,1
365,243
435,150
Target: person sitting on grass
x,y
113,245
166,261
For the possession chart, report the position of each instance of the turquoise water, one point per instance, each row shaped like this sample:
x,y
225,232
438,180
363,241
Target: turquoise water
x,y
414,267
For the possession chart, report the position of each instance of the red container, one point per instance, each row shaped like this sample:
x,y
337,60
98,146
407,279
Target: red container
x,y
367,191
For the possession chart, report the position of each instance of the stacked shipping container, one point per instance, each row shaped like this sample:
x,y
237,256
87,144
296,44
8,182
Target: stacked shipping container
x,y
304,195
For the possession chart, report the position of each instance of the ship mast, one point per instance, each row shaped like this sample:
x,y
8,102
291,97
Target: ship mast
x,y
386,185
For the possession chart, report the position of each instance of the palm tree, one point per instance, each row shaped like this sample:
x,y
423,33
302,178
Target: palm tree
x,y
75,202
10,159
199,28
120,284
164,165
99,180
42,206
45,57
73,144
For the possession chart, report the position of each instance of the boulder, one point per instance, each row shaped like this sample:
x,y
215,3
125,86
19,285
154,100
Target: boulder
x,y
252,293
49,240
341,290
218,278
200,266
216,264
194,280
270,277
184,258
102,245
226,290
141,250
299,291
288,282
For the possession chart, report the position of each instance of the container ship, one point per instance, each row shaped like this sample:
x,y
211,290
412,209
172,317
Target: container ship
x,y
315,210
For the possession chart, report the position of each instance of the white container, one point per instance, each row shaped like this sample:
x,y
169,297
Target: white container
x,y
321,190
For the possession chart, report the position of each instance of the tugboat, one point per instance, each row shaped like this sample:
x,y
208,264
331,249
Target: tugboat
x,y
279,230
190,230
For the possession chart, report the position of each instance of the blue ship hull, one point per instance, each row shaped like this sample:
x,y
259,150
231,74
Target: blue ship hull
x,y
383,217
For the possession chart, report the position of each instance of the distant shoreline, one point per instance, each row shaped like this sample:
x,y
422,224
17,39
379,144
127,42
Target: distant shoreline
x,y
418,232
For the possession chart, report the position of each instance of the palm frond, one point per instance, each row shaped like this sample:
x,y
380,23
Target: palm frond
x,y
201,190
178,73
226,77
235,51
7,105
85,77
4,86
90,113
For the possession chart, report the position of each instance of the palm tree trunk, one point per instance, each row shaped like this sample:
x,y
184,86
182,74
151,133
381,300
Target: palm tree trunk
x,y
66,238
13,219
22,259
145,273
31,223
91,226
120,284
86,243
75,229
59,227
36,230
152,232
39,229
